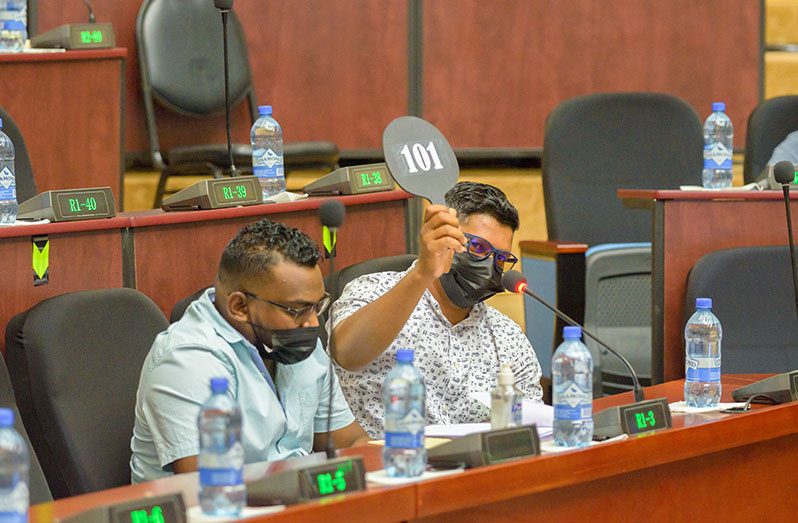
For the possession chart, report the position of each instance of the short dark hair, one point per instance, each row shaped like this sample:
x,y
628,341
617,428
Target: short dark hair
x,y
469,198
259,246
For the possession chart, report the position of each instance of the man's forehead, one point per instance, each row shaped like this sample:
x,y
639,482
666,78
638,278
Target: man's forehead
x,y
291,282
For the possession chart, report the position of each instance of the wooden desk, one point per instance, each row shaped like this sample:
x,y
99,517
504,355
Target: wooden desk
x,y
177,253
69,108
687,225
737,467
83,255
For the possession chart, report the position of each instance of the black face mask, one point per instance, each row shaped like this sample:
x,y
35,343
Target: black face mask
x,y
471,281
287,346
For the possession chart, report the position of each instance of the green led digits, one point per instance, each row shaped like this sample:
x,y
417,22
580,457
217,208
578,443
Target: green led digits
x,y
241,190
330,483
645,419
91,37
138,516
364,179
325,483
141,516
75,205
377,177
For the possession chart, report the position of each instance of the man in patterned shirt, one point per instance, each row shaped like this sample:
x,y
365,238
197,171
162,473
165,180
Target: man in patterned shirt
x,y
436,308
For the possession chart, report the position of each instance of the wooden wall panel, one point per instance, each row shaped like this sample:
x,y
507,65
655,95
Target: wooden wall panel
x,y
333,70
494,70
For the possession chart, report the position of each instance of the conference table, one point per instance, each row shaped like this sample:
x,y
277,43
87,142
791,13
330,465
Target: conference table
x,y
735,467
169,255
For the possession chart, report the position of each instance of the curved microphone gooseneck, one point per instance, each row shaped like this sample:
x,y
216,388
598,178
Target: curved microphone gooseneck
x,y
225,6
784,173
331,215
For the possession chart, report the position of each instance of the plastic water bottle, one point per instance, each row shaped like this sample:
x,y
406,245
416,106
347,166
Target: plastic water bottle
x,y
404,454
13,25
718,138
8,182
702,336
267,152
506,401
14,466
221,455
572,371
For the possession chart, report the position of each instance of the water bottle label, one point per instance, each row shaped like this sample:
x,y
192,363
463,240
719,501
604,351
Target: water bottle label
x,y
267,164
702,369
404,440
14,517
406,432
517,414
717,156
220,477
571,402
8,185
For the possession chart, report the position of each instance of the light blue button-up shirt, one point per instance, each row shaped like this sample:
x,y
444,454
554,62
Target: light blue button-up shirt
x,y
175,381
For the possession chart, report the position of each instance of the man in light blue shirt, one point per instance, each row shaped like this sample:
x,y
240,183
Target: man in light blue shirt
x,y
258,327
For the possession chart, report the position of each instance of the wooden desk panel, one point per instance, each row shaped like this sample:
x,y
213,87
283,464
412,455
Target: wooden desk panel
x,y
83,255
178,253
686,226
68,107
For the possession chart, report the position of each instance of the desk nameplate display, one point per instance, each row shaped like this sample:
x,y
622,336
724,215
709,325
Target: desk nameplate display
x,y
357,179
305,483
66,205
169,508
635,418
76,36
237,191
487,448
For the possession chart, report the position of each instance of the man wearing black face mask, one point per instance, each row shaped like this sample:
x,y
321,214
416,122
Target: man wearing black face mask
x,y
258,327
437,309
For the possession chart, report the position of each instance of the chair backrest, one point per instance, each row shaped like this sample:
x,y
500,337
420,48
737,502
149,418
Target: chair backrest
x,y
180,307
182,63
618,312
26,185
75,365
768,125
336,282
599,143
752,296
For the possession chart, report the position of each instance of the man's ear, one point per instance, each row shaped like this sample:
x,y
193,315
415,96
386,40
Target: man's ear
x,y
237,306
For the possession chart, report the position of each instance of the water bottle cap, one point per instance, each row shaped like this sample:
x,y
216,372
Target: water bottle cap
x,y
6,417
265,110
703,303
571,332
404,355
506,376
718,106
218,385
1,123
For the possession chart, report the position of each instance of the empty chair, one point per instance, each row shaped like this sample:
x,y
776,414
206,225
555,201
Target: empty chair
x,y
182,69
752,296
593,146
75,361
768,126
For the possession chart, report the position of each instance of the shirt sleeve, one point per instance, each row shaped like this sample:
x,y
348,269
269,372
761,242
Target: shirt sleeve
x,y
177,387
341,413
518,352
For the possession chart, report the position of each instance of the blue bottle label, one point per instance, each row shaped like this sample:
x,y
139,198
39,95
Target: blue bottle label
x,y
572,403
221,477
717,156
404,440
8,185
702,369
267,164
406,432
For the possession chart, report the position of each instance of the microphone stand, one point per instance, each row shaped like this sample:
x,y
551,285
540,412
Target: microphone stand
x,y
786,190
233,170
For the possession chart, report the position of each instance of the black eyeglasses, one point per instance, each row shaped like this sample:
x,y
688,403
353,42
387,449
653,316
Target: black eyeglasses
x,y
319,307
480,248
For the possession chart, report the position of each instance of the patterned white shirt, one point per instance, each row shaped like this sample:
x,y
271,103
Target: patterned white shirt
x,y
456,360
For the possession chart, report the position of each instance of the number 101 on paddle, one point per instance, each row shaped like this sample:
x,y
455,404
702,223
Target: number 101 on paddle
x,y
421,158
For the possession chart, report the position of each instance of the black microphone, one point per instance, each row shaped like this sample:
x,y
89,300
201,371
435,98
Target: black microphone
x,y
331,215
225,6
514,281
784,174
778,388
91,11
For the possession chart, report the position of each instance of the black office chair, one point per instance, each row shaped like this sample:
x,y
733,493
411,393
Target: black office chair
x,y
75,362
39,491
336,282
768,125
752,296
593,146
180,307
26,185
182,68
